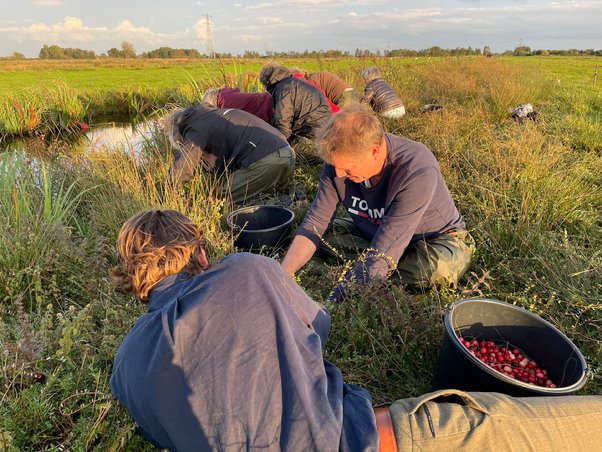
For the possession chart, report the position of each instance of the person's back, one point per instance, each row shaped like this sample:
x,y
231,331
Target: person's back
x,y
232,358
381,96
258,104
334,108
256,156
224,135
300,109
332,85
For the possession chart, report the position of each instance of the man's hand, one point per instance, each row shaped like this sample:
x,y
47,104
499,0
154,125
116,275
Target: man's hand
x,y
338,295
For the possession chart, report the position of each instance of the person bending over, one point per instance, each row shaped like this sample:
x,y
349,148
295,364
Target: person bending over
x,y
229,357
258,104
302,75
379,95
300,109
256,156
339,91
401,214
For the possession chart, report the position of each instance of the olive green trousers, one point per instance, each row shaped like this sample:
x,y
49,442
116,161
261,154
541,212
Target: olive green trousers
x,y
272,172
452,420
440,260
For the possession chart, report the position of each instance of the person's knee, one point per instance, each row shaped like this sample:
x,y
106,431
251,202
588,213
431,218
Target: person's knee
x,y
427,265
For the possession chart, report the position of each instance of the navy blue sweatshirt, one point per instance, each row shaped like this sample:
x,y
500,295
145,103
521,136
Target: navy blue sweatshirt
x,y
410,202
231,359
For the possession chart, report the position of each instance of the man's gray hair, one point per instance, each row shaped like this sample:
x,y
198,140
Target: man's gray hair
x,y
298,70
350,132
371,73
266,72
210,96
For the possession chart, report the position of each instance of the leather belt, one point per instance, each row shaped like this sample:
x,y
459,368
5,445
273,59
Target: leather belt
x,y
384,425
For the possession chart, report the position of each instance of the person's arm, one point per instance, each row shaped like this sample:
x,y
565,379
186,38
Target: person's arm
x,y
284,111
186,161
298,254
368,94
315,223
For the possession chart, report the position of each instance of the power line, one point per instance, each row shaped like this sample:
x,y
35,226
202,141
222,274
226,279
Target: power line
x,y
209,35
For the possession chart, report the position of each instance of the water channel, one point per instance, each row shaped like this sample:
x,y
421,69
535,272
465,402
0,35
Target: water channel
x,y
127,137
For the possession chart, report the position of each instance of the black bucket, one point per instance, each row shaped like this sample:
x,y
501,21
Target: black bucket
x,y
500,322
261,226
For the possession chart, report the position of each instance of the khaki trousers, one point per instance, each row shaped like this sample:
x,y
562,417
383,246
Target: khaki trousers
x,y
452,420
269,173
435,261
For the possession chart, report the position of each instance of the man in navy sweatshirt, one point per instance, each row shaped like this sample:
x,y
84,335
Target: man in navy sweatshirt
x,y
402,216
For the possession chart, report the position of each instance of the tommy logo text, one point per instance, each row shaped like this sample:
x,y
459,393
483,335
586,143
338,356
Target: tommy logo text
x,y
360,208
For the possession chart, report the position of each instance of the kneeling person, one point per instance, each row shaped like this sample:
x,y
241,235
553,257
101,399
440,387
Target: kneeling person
x,y
402,213
227,357
254,154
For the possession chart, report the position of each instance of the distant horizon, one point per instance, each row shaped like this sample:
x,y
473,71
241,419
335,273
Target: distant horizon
x,y
263,54
296,25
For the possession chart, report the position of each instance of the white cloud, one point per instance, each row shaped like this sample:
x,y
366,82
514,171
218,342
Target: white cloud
x,y
250,38
51,3
71,28
270,20
314,3
297,4
263,5
72,31
352,14
200,29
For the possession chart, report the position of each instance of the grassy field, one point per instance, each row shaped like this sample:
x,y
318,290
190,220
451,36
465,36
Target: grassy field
x,y
531,194
40,96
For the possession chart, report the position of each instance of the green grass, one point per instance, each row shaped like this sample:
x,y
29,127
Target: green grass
x,y
574,73
531,194
98,89
116,75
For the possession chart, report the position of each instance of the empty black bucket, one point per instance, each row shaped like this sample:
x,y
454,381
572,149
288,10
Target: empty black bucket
x,y
261,226
500,322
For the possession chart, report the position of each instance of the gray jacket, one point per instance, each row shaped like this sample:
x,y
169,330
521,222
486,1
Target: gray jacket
x,y
381,96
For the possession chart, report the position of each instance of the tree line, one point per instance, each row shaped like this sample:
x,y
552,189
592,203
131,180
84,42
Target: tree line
x,y
126,50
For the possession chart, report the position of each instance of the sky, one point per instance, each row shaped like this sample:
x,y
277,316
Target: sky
x,y
280,25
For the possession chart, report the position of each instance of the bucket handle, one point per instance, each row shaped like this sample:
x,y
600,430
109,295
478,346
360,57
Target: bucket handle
x,y
469,400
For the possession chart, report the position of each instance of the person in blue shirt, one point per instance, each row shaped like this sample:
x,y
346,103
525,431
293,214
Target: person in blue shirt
x,y
229,357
